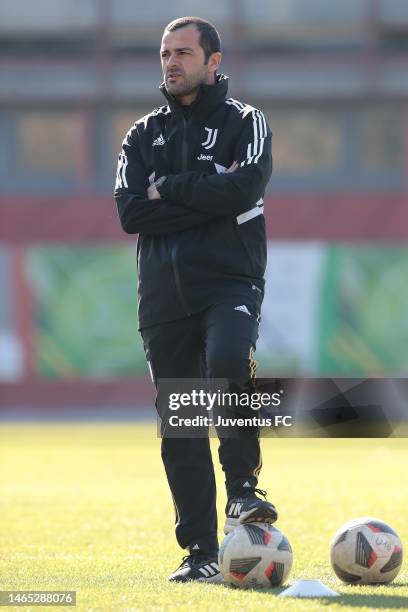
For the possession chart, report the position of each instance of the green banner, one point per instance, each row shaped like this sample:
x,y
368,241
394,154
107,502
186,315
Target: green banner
x,y
363,311
337,310
85,311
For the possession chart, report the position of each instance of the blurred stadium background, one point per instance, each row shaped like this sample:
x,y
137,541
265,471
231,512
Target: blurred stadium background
x,y
332,79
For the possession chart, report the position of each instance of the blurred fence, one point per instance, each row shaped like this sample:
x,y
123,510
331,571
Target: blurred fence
x,y
333,83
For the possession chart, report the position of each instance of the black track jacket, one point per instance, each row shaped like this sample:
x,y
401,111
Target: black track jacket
x,y
204,242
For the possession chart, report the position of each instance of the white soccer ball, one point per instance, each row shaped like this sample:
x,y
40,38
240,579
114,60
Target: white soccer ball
x,y
366,551
255,556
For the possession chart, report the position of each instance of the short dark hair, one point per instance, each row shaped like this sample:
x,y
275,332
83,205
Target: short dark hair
x,y
209,41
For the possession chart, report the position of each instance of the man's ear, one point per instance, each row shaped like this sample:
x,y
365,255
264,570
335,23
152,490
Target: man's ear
x,y
214,61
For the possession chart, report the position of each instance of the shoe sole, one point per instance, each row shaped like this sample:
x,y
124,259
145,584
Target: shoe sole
x,y
256,515
260,515
217,579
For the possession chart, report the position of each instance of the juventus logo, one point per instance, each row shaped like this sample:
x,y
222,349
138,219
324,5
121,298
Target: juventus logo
x,y
121,181
211,138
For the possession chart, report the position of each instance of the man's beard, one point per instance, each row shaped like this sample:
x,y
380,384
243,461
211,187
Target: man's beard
x,y
187,85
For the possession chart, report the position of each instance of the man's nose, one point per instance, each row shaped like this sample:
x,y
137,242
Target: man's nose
x,y
173,61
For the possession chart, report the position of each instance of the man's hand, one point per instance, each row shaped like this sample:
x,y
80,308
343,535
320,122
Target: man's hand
x,y
234,166
152,192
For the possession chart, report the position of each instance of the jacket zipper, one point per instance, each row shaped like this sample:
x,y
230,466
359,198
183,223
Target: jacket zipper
x,y
184,162
184,146
177,281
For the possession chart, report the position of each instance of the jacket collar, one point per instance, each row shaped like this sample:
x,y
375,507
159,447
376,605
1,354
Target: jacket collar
x,y
208,98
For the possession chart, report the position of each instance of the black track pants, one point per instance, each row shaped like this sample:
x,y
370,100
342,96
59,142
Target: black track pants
x,y
217,343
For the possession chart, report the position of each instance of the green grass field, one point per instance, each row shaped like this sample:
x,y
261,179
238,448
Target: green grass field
x,y
87,508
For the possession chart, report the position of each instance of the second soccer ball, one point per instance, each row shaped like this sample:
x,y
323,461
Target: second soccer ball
x,y
366,551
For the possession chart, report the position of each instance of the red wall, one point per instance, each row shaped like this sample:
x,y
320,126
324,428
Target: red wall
x,y
345,217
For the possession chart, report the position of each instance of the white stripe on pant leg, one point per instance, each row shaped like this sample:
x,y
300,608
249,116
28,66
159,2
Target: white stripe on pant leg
x,y
150,370
176,512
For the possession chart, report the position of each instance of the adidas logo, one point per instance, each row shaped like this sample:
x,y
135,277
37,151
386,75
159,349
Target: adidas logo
x,y
210,570
243,308
196,547
159,141
246,484
235,509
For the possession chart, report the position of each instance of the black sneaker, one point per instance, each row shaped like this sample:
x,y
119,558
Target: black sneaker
x,y
249,509
198,567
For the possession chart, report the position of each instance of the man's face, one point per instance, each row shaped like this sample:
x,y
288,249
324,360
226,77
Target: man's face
x,y
182,61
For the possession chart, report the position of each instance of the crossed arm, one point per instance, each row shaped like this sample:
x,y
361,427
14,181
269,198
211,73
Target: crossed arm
x,y
191,198
153,194
139,213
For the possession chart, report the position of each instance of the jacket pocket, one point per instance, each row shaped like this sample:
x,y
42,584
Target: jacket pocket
x,y
245,248
252,237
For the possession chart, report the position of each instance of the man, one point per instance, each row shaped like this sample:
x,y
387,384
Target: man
x,y
191,178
